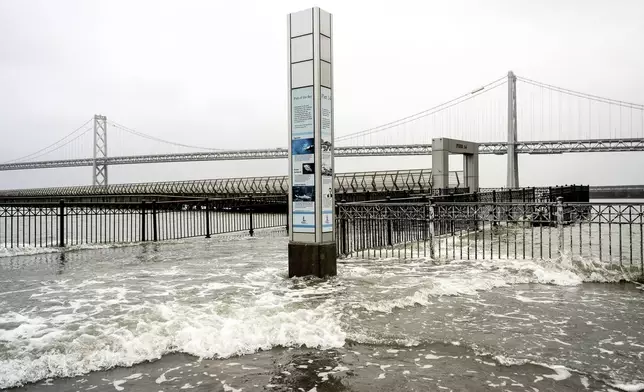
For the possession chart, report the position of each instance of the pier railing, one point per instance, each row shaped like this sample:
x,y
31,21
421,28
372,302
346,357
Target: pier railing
x,y
611,233
68,224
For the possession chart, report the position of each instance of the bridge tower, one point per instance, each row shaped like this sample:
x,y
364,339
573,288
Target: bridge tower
x,y
513,158
99,172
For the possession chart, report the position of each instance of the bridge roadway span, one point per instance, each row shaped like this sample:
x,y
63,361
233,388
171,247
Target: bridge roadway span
x,y
497,148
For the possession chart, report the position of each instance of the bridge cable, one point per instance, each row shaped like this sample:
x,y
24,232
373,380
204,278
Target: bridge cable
x,y
149,137
582,95
63,145
427,112
53,144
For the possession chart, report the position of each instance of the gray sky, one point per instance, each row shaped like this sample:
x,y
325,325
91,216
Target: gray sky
x,y
213,73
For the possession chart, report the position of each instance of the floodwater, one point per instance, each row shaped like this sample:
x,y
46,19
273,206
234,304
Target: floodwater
x,y
221,315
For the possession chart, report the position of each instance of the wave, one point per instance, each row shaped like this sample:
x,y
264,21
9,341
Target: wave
x,y
469,277
161,329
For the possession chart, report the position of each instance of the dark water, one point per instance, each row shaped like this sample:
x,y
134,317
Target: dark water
x,y
221,315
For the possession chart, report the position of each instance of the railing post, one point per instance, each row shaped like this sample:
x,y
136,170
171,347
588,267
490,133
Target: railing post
x,y
143,221
560,225
154,221
425,219
431,216
251,231
207,217
389,225
344,243
494,209
61,222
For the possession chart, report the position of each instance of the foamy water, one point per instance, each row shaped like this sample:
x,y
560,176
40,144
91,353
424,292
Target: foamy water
x,y
70,314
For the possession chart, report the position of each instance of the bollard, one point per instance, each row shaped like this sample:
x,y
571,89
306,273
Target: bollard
x,y
61,221
560,223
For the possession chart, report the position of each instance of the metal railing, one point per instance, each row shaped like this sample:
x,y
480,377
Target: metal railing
x,y
70,224
368,181
611,233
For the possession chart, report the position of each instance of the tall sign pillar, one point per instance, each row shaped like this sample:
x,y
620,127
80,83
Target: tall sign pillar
x,y
311,249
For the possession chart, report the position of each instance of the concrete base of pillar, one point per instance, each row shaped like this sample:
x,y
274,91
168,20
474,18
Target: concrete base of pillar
x,y
312,259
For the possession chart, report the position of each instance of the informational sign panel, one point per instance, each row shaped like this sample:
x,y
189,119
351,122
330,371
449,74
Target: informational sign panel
x,y
303,160
311,207
326,147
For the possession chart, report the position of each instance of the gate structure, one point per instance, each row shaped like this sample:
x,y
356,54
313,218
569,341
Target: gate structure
x,y
441,149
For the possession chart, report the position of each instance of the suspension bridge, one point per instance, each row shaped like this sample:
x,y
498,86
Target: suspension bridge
x,y
511,115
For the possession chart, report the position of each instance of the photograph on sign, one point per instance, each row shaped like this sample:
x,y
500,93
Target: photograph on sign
x,y
303,193
326,170
302,113
308,168
326,146
303,146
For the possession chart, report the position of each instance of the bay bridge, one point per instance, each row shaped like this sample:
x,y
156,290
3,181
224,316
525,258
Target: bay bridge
x,y
376,210
527,117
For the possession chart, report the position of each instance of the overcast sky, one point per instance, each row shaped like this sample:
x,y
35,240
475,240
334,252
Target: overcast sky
x,y
213,73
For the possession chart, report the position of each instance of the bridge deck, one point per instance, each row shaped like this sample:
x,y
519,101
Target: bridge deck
x,y
497,148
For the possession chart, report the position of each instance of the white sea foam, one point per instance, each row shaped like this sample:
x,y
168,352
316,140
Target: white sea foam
x,y
470,277
635,387
561,373
75,342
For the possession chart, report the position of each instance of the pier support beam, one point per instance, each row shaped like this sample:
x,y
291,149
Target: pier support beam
x,y
312,248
